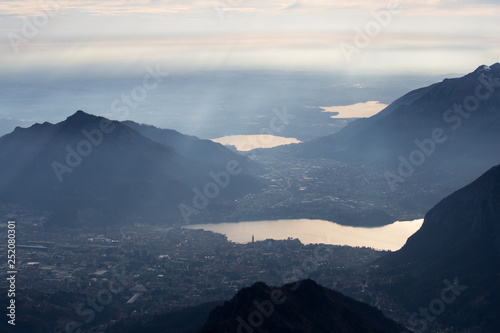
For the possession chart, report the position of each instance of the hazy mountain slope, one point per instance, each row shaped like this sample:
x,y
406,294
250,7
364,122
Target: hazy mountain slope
x,y
339,142
90,170
392,132
7,125
193,147
418,150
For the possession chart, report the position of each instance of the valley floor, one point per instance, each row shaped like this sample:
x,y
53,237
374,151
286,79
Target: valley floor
x,y
348,194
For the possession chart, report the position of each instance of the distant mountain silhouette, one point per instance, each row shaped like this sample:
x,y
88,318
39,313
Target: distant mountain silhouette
x,y
298,307
393,131
460,238
89,170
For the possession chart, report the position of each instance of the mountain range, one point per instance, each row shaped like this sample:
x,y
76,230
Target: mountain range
x,y
90,170
401,162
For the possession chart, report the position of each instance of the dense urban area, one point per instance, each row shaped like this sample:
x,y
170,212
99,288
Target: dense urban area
x,y
96,277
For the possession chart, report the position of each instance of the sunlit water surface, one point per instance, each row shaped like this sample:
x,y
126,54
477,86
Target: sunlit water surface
x,y
249,142
390,237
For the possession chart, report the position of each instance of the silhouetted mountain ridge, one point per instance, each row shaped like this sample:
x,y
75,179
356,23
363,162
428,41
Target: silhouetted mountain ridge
x,y
392,132
298,307
88,169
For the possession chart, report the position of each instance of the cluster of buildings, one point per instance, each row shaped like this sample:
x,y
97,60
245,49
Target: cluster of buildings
x,y
152,270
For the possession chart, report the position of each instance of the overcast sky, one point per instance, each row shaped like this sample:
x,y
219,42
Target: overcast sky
x,y
433,36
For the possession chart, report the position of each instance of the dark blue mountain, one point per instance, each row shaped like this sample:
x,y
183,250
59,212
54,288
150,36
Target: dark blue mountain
x,y
89,170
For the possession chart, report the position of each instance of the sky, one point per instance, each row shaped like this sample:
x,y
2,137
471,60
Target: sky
x,y
68,37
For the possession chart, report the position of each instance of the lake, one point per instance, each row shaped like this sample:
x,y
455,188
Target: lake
x,y
254,141
358,110
390,237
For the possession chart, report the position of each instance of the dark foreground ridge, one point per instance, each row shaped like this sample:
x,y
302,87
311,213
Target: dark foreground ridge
x,y
298,307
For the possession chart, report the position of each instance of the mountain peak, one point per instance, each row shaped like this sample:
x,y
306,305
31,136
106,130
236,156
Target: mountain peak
x,y
80,120
485,69
81,115
304,305
88,163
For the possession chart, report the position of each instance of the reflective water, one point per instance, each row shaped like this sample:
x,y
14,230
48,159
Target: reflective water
x,y
390,237
358,110
249,142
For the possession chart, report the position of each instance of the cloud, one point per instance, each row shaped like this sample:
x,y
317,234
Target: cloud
x,y
290,32
32,8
